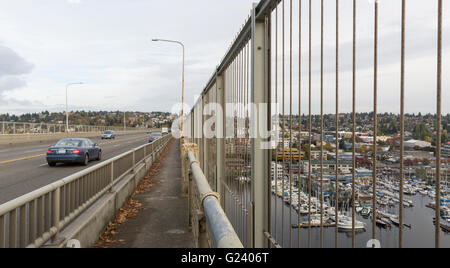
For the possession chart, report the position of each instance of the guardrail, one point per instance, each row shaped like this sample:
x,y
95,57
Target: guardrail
x,y
35,218
206,216
17,128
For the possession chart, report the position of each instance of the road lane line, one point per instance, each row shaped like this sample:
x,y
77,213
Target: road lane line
x,y
20,159
41,155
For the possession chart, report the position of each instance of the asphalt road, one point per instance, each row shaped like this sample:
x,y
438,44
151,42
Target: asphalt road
x,y
24,169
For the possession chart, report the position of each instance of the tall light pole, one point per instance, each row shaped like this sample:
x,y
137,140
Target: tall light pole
x,y
67,104
124,122
182,93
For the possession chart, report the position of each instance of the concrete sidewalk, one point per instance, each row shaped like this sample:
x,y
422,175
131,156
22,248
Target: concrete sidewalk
x,y
162,221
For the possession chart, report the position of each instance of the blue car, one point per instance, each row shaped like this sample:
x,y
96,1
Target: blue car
x,y
73,151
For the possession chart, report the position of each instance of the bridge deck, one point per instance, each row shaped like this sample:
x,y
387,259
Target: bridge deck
x,y
163,220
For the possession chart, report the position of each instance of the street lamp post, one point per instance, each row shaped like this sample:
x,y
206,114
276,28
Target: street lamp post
x,y
67,105
182,93
124,121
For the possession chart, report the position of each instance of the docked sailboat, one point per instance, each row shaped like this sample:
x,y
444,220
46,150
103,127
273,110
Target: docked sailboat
x,y
346,224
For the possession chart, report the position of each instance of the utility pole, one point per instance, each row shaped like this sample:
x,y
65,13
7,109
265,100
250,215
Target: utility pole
x,y
182,90
124,122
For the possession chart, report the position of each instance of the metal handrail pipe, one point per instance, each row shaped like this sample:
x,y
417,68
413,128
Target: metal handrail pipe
x,y
200,179
221,229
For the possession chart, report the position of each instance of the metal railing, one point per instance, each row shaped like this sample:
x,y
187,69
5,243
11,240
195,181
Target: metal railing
x,y
265,196
210,225
35,218
18,128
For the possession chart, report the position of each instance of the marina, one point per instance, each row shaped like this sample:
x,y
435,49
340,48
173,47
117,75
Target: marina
x,y
418,232
418,220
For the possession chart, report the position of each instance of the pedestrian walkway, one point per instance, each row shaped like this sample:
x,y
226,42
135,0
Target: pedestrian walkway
x,y
162,221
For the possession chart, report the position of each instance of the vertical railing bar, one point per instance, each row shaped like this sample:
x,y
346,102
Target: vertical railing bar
x,y
105,176
73,195
235,101
67,201
402,127
229,95
268,118
290,121
299,205
439,126
56,210
79,187
310,124
354,127
92,184
260,80
248,199
375,124
32,220
3,231
75,192
23,226
86,188
322,125
283,121
244,151
233,153
337,129
276,101
237,165
242,161
63,201
47,212
101,180
40,216
97,181
235,92
244,135
13,229
238,106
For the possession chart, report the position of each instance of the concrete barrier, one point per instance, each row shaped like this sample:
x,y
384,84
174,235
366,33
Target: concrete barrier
x,y
89,226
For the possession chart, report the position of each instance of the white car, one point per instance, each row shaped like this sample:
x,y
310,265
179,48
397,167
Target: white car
x,y
108,135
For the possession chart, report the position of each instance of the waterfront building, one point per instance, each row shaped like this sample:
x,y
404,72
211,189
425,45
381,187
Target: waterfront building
x,y
288,154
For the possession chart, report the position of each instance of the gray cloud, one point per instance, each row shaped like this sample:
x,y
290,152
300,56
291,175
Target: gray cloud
x,y
11,83
12,68
13,64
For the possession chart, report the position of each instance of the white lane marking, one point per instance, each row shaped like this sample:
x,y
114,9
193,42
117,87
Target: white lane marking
x,y
43,165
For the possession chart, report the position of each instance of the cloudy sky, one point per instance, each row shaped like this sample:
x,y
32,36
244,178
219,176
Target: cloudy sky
x,y
45,44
